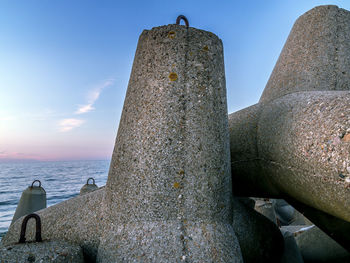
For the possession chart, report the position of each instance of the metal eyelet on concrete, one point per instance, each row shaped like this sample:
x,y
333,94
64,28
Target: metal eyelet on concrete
x,y
34,183
38,238
93,180
178,19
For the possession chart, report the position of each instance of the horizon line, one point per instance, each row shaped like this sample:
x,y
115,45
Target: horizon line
x,y
13,160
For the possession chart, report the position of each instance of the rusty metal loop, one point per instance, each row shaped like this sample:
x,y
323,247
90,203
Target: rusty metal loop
x,y
178,19
93,180
38,238
34,183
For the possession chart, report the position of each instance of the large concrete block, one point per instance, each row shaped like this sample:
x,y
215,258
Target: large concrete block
x,y
316,246
260,239
316,55
168,194
32,199
288,215
303,151
46,251
291,252
77,220
295,143
336,228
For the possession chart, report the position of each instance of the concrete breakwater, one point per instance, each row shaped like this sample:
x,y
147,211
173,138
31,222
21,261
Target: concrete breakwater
x,y
61,180
168,196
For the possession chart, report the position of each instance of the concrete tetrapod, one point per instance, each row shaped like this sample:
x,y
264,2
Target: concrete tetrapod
x,y
315,56
336,228
316,246
32,199
299,145
260,239
301,150
295,142
168,194
77,220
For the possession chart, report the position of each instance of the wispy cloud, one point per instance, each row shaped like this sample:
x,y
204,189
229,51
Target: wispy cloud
x,y
84,109
66,125
93,95
69,124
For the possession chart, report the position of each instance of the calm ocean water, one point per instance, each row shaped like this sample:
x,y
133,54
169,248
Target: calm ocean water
x,y
61,181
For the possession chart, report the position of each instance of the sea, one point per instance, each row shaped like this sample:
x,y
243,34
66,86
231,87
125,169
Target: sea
x,y
61,180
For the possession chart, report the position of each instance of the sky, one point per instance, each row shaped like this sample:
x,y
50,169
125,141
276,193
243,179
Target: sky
x,y
65,65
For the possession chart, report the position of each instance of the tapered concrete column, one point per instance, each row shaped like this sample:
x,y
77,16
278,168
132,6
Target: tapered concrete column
x,y
295,143
316,55
168,194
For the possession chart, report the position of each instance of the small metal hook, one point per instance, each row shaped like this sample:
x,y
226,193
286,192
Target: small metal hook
x,y
93,180
38,238
178,19
34,183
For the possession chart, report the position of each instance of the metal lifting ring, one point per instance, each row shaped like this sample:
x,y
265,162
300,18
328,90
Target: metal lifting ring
x,y
178,19
93,180
38,238
36,181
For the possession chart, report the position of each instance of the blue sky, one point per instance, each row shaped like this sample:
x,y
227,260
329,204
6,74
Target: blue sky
x,y
65,65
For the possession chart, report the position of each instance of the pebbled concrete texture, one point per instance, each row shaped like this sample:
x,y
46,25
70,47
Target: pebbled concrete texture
x,y
303,150
46,251
168,194
304,147
316,55
295,143
77,220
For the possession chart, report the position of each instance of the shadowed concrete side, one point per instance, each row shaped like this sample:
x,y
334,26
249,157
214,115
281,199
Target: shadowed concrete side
x,y
334,227
260,239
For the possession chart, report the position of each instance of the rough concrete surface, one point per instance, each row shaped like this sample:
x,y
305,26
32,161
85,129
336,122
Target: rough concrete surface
x,y
295,143
316,55
168,194
302,150
77,220
46,251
